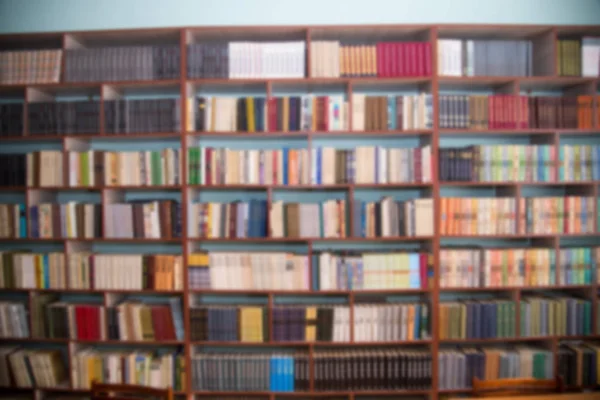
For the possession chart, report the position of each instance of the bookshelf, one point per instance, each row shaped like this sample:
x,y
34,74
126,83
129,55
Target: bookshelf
x,y
544,80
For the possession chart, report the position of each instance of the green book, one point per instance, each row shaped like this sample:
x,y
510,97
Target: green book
x,y
587,320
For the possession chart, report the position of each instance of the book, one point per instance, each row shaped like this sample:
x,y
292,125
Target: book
x,y
13,170
392,113
71,117
391,322
590,56
158,219
70,220
477,319
228,220
125,116
227,114
555,316
139,321
577,364
479,216
577,265
578,163
29,270
30,66
459,366
158,369
44,168
223,323
276,371
471,267
125,168
319,322
76,321
11,119
122,63
260,270
369,271
557,215
14,320
308,220
208,60
13,221
497,57
33,368
569,57
390,218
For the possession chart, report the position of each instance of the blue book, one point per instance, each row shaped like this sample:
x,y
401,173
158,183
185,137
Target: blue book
x,y
263,223
252,219
46,262
561,168
33,213
319,161
22,221
291,374
584,215
588,260
285,165
258,113
540,166
175,305
363,219
272,372
413,271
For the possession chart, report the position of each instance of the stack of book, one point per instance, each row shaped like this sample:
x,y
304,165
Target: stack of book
x,y
86,168
13,170
228,220
308,220
29,67
555,316
458,367
155,272
458,57
134,168
577,364
471,268
252,271
13,221
132,320
478,216
499,163
333,370
226,372
374,271
15,321
390,218
391,322
482,112
70,220
159,219
578,163
198,271
477,319
240,60
29,368
322,323
142,115
11,119
32,271
332,59
391,113
223,166
550,112
45,168
551,215
569,57
590,56
75,321
229,323
63,117
376,165
123,63
576,265
142,367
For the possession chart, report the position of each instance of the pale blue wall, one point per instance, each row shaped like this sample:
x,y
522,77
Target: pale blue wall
x,y
63,15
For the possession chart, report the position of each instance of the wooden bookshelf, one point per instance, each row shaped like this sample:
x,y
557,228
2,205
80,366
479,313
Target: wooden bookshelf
x,y
434,84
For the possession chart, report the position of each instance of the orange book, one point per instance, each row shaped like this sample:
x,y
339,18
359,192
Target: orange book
x,y
293,167
364,61
355,60
443,216
314,114
342,219
373,58
474,211
578,212
411,322
451,216
341,56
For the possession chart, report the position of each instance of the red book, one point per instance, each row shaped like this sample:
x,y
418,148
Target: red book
x,y
95,311
388,59
379,55
325,119
423,270
81,322
420,59
168,323
427,55
524,112
491,113
392,59
157,323
414,56
272,113
401,59
501,111
514,114
418,166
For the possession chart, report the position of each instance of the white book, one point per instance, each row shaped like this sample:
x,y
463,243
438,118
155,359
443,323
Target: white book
x,y
325,261
358,112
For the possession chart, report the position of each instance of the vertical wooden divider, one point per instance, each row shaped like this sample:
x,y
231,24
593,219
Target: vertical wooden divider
x,y
184,203
594,297
434,291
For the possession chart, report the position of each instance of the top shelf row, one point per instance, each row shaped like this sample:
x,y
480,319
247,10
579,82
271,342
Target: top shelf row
x,y
298,53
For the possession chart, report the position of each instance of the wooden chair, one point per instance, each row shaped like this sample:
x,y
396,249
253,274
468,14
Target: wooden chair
x,y
103,391
516,386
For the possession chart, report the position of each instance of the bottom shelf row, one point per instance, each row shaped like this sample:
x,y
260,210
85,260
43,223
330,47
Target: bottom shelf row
x,y
276,370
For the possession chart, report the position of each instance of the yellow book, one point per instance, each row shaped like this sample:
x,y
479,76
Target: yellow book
x,y
313,124
190,114
286,114
411,322
213,112
250,114
208,220
39,272
198,259
311,324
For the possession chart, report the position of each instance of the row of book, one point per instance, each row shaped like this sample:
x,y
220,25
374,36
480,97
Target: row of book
x,y
14,320
578,57
156,272
391,322
311,323
467,57
297,220
578,163
391,218
159,369
123,63
259,114
577,364
44,168
11,119
125,321
222,270
30,66
28,270
577,265
27,368
479,216
63,117
477,319
332,59
133,168
13,221
246,59
228,220
392,113
69,220
158,219
130,115
458,367
471,268
13,170
374,271
246,324
550,215
550,316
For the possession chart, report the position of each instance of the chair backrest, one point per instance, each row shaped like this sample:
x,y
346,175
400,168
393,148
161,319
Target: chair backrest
x,y
104,391
516,386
